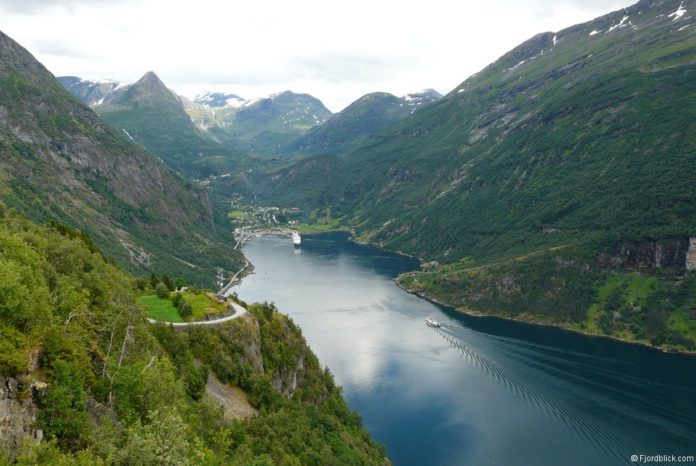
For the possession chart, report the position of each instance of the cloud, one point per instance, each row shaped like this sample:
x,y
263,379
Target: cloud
x,y
60,48
336,51
40,6
343,67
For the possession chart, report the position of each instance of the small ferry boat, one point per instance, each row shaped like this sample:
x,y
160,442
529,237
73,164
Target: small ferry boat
x,y
430,322
296,238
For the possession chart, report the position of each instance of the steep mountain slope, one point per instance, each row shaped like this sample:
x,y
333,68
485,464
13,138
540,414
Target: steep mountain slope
x,y
150,114
60,162
91,92
85,380
349,128
574,148
560,133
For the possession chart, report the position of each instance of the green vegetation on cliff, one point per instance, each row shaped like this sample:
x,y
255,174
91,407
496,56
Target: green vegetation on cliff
x,y
561,287
105,387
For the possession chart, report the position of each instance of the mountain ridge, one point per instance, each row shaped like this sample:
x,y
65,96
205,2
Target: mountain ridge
x,y
362,118
133,207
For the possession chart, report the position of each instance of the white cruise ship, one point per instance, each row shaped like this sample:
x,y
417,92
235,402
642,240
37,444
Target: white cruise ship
x,y
296,238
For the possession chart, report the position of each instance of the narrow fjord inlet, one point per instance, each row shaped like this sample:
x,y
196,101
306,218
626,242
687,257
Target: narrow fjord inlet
x,y
424,233
475,391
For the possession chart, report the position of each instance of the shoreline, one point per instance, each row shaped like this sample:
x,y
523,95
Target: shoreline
x,y
480,315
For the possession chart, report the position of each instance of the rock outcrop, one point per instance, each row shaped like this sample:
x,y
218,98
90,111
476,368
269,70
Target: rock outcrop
x,y
17,413
677,255
691,255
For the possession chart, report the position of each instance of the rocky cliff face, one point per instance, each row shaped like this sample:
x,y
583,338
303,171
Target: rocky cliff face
x,y
17,414
259,350
691,255
677,255
285,380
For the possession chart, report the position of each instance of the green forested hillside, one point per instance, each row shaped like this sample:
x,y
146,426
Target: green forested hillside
x,y
154,117
81,368
60,162
576,147
353,125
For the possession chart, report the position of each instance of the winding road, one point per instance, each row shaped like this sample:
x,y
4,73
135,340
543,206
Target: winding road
x,y
239,311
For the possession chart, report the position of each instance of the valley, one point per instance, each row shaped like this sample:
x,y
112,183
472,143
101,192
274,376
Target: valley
x,y
154,309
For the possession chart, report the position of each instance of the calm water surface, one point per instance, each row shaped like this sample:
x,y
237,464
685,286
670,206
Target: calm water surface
x,y
477,391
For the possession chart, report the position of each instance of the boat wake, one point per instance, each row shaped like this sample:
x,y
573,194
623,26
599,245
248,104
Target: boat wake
x,y
583,424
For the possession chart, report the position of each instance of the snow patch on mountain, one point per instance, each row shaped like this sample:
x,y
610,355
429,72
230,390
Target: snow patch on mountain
x,y
681,11
219,100
622,24
418,99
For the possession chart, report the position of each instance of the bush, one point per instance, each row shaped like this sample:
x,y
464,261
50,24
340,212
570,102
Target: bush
x,y
162,290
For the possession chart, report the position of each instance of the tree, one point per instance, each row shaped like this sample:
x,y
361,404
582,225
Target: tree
x,y
185,309
168,282
177,299
63,413
14,351
162,290
160,442
154,280
179,283
141,283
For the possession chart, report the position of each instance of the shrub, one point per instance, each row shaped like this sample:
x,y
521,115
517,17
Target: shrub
x,y
162,290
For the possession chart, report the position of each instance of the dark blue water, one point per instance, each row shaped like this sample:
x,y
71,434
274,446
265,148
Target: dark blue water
x,y
477,391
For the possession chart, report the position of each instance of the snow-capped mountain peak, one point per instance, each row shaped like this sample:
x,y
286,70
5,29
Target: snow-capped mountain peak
x,y
219,99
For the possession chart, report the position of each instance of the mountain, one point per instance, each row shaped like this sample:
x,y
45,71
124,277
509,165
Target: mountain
x,y
260,125
555,178
417,100
219,99
91,92
150,114
59,162
205,136
349,128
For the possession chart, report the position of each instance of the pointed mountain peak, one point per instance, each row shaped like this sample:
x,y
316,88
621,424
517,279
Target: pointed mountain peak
x,y
151,80
151,86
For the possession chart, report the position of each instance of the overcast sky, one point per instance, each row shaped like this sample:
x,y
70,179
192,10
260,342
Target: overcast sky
x,y
336,51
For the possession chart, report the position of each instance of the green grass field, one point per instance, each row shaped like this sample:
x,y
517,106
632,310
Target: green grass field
x,y
203,305
163,308
160,308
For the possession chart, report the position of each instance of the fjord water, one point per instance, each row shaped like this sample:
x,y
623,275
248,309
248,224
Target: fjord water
x,y
477,391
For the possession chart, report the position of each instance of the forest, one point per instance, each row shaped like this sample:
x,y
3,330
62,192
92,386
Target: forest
x,y
102,386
